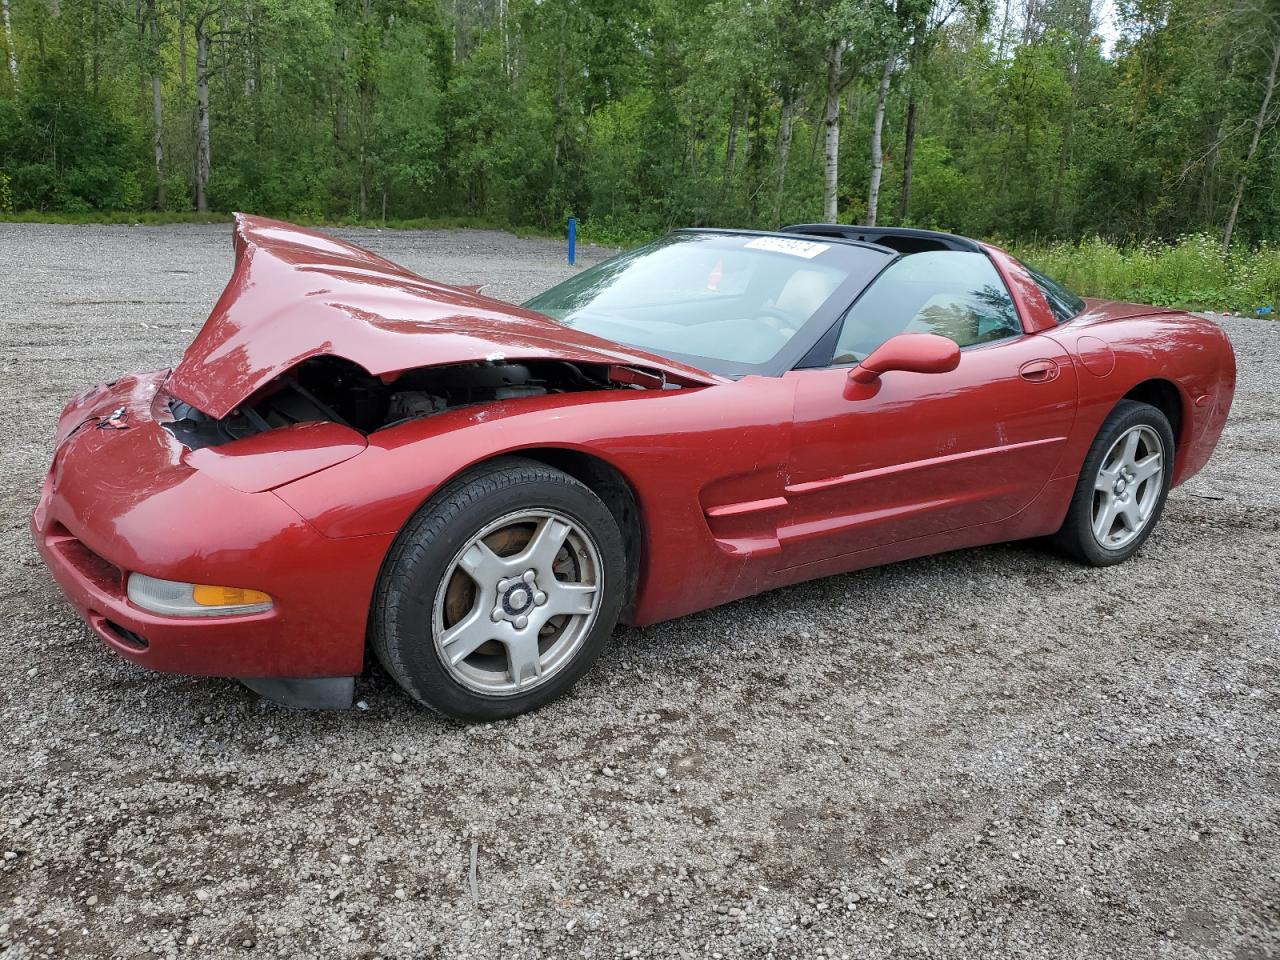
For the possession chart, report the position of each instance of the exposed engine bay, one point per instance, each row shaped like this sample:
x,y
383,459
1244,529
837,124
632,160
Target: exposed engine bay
x,y
332,389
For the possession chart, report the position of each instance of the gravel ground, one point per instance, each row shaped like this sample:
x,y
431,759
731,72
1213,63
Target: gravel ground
x,y
987,754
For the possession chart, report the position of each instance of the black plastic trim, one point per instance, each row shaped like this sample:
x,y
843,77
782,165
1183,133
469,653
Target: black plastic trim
x,y
868,235
128,637
306,693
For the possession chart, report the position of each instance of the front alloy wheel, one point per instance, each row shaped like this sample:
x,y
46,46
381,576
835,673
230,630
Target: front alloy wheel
x,y
500,592
517,601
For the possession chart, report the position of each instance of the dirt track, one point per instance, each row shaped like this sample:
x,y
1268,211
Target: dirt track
x,y
992,753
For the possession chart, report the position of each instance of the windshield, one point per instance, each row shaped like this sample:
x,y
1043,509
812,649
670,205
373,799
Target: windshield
x,y
730,299
1064,304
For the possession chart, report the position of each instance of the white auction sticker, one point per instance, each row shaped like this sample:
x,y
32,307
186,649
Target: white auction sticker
x,y
796,248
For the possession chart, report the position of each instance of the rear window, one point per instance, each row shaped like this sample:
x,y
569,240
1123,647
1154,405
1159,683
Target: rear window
x,y
1064,304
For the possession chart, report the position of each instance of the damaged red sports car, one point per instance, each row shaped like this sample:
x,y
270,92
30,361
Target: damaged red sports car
x,y
350,457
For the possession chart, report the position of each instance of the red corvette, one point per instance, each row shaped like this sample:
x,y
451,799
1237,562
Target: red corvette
x,y
351,457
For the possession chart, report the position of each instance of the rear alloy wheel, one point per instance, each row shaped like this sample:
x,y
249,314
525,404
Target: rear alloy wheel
x,y
1122,486
501,592
1128,487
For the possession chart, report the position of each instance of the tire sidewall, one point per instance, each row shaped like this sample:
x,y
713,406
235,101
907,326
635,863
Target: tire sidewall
x,y
406,643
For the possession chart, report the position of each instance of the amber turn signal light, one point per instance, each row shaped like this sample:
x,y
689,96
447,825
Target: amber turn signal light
x,y
210,596
173,598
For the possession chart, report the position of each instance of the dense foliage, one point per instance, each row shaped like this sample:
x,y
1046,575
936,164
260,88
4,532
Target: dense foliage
x,y
993,118
1190,272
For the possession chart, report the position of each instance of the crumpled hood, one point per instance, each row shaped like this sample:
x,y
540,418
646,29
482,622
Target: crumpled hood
x,y
296,294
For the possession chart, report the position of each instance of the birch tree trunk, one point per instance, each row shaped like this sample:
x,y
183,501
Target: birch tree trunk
x,y
1209,181
1082,28
96,47
364,185
561,71
250,52
831,120
157,138
340,101
368,93
8,43
731,146
877,151
1258,125
157,103
731,151
203,162
904,201
786,130
183,78
1004,29
505,34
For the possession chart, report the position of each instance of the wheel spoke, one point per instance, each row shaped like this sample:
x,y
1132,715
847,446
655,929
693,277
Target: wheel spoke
x,y
1147,468
571,598
1130,455
522,656
544,545
481,563
1132,514
1105,518
467,635
1106,480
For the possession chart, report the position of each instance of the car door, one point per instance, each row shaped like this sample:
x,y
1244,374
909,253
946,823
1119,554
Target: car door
x,y
925,453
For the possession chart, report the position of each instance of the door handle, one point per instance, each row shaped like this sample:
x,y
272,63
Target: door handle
x,y
1039,371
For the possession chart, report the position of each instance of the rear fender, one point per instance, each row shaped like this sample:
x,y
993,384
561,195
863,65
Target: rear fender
x,y
1116,355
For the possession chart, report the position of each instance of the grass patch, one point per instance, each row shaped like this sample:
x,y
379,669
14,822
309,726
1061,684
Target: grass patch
x,y
1189,274
147,217
162,217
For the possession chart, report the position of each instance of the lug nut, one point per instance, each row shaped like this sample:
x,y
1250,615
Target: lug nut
x,y
539,598
529,576
521,622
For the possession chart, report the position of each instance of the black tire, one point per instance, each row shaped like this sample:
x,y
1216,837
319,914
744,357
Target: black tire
x,y
1076,538
401,622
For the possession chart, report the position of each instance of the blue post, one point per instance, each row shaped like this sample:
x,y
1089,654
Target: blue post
x,y
573,239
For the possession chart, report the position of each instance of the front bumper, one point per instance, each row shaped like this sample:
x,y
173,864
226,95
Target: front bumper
x,y
122,498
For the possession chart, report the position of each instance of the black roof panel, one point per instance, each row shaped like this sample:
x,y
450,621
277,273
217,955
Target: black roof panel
x,y
902,239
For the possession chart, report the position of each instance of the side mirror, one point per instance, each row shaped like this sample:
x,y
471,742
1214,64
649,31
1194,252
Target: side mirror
x,y
912,352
